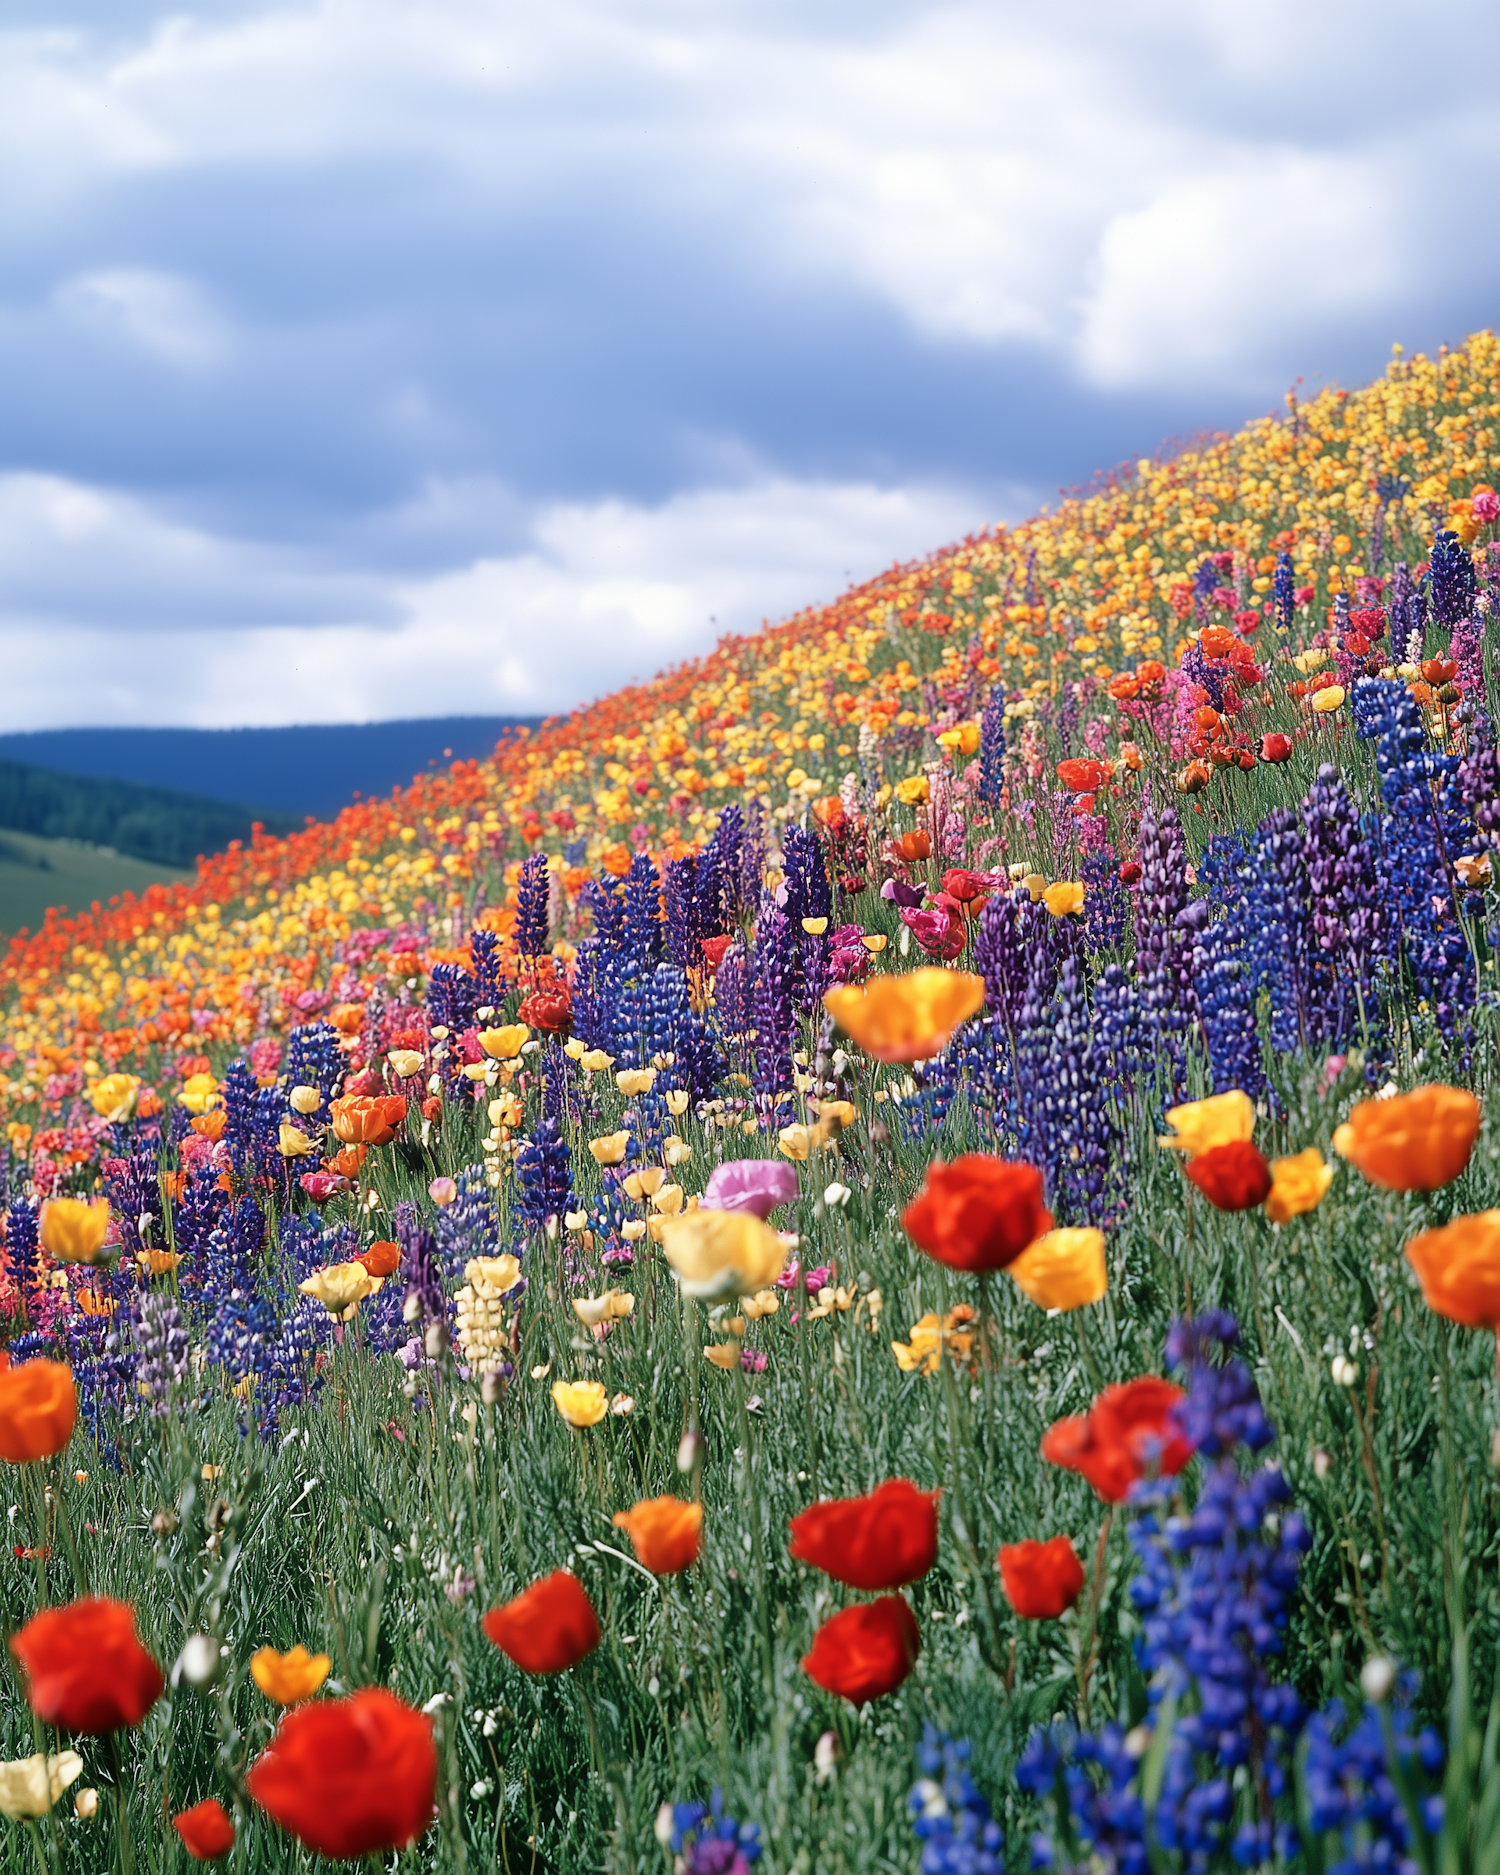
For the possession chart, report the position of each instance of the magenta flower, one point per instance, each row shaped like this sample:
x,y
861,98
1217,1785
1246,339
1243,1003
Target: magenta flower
x,y
321,1186
757,1185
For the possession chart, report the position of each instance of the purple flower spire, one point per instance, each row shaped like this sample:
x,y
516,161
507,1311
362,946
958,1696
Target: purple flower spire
x,y
531,906
1343,880
992,747
775,1014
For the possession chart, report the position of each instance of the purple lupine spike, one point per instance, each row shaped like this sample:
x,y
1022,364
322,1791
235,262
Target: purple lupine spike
x,y
731,992
1479,779
1451,577
1163,944
1343,880
775,1014
531,906
684,928
992,747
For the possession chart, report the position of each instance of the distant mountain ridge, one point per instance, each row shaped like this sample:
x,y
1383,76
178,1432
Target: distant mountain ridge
x,y
165,826
299,769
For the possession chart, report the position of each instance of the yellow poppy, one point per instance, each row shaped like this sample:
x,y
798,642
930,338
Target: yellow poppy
x,y
288,1678
72,1231
581,1402
1221,1120
505,1043
340,1286
115,1096
721,1253
199,1093
1298,1184
1063,1269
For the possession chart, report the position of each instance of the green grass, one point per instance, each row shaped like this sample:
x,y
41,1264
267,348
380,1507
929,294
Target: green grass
x,y
37,873
349,1536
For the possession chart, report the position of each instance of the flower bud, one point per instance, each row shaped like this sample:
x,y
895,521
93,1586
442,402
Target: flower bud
x,y
198,1663
435,1341
1377,1678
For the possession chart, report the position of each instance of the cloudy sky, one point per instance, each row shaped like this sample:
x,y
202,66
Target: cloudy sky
x,y
363,359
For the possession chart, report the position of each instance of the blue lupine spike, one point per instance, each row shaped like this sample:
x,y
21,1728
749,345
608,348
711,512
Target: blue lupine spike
x,y
532,894
992,747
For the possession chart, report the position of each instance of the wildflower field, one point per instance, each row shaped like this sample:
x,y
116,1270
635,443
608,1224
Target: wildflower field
x,y
875,1255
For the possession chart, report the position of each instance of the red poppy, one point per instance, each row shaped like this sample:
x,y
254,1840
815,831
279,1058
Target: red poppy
x,y
713,951
1081,776
548,1627
206,1830
1275,748
349,1777
1041,1579
1128,1434
1130,872
937,933
85,1668
882,1541
549,1009
1233,1177
865,1652
979,1213
970,889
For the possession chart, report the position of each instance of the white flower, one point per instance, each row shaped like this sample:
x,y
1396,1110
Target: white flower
x,y
30,1786
1376,1679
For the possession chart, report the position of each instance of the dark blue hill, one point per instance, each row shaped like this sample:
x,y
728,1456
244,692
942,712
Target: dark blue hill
x,y
306,768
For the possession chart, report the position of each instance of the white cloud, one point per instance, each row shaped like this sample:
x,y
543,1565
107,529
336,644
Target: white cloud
x,y
168,317
602,593
1178,194
993,172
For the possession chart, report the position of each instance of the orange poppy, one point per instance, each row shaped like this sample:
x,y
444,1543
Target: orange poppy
x,y
906,1018
38,1405
1129,1432
664,1532
368,1119
547,1628
381,1259
1042,1580
1458,1267
1419,1141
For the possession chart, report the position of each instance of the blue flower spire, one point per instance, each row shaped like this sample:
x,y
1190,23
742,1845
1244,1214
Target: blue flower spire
x,y
1283,593
992,747
950,1818
532,920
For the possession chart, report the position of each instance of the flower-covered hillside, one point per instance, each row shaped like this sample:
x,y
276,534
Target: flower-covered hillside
x,y
1270,531
918,1194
